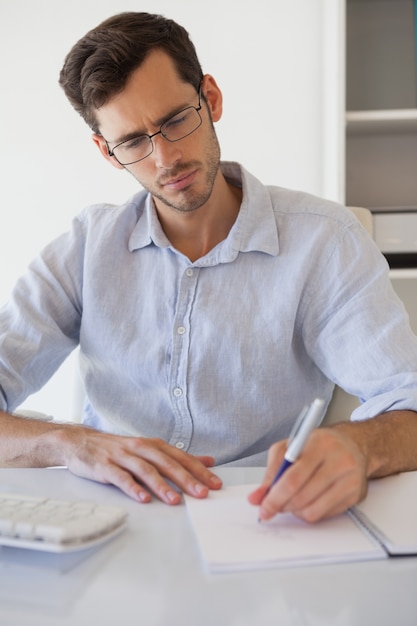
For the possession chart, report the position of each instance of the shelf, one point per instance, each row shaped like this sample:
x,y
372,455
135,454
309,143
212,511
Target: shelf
x,y
380,55
403,274
381,121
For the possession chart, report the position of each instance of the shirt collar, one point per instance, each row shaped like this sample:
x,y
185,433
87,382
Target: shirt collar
x,y
255,228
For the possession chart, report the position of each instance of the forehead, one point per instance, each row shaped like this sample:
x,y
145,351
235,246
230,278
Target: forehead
x,y
153,91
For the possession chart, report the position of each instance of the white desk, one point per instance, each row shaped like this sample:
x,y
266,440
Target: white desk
x,y
152,575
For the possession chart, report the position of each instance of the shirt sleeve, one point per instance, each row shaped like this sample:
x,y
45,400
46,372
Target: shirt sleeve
x,y
356,328
39,325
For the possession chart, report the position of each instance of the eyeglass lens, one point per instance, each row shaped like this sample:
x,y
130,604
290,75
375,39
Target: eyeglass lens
x,y
177,127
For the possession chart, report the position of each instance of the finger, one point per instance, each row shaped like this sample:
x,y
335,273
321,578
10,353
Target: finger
x,y
191,467
140,466
339,497
337,484
256,496
325,492
278,499
155,462
198,466
119,465
208,461
124,480
275,458
110,473
296,487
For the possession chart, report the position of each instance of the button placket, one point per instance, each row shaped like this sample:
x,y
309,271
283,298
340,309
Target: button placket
x,y
181,436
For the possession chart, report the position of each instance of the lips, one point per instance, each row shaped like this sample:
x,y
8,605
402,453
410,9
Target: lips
x,y
180,182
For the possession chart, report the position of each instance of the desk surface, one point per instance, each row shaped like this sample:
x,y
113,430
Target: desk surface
x,y
152,575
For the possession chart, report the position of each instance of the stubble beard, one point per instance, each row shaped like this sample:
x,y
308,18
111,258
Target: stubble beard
x,y
189,199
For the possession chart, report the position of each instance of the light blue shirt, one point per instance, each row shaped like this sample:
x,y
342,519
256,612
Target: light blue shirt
x,y
216,356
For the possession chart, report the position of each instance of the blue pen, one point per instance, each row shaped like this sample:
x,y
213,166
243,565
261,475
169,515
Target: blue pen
x,y
307,421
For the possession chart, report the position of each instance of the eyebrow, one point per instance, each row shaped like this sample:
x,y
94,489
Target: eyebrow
x,y
158,124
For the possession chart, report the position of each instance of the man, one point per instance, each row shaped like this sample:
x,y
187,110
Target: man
x,y
208,309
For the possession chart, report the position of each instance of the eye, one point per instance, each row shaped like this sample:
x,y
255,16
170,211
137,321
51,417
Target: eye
x,y
135,143
178,120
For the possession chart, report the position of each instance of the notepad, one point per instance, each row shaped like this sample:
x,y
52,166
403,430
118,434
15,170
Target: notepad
x,y
230,537
390,512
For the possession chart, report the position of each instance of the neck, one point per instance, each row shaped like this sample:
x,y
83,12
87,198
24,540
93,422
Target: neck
x,y
197,232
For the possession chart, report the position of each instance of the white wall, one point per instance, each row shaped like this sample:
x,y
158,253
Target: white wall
x,y
266,56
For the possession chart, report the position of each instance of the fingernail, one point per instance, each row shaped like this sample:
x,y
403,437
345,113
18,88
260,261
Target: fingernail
x,y
172,496
215,481
200,490
262,515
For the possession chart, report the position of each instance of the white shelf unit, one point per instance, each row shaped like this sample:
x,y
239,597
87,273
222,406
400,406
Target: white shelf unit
x,y
381,103
380,156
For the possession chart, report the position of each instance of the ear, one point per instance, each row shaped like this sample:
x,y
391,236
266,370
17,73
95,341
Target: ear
x,y
213,96
102,146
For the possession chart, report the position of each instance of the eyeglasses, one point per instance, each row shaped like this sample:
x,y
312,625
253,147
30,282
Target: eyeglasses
x,y
173,129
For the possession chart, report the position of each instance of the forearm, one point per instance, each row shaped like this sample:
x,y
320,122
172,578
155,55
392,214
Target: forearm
x,y
31,443
388,442
139,466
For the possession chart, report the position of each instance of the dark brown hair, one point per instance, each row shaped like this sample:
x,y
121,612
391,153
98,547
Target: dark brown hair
x,y
100,63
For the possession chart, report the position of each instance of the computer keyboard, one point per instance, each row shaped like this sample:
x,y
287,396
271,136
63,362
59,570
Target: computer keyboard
x,y
56,525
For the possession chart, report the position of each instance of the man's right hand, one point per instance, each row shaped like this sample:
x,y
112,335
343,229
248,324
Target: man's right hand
x,y
139,466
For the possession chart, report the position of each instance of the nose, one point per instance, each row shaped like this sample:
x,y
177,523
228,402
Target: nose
x,y
165,153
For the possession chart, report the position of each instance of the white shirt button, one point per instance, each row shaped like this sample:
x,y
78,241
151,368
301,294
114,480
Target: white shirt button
x,y
179,445
181,330
177,392
189,272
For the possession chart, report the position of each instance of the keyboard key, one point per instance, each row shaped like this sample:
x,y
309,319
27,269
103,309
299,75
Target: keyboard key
x,y
56,525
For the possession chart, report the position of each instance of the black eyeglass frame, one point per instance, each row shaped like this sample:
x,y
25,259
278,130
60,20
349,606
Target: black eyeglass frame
x,y
197,109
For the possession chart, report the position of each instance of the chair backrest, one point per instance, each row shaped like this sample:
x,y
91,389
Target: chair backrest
x,y
364,216
341,407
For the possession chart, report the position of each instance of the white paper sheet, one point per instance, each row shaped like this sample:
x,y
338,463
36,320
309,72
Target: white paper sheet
x,y
231,538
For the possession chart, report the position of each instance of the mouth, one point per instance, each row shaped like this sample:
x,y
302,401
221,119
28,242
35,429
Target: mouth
x,y
180,182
